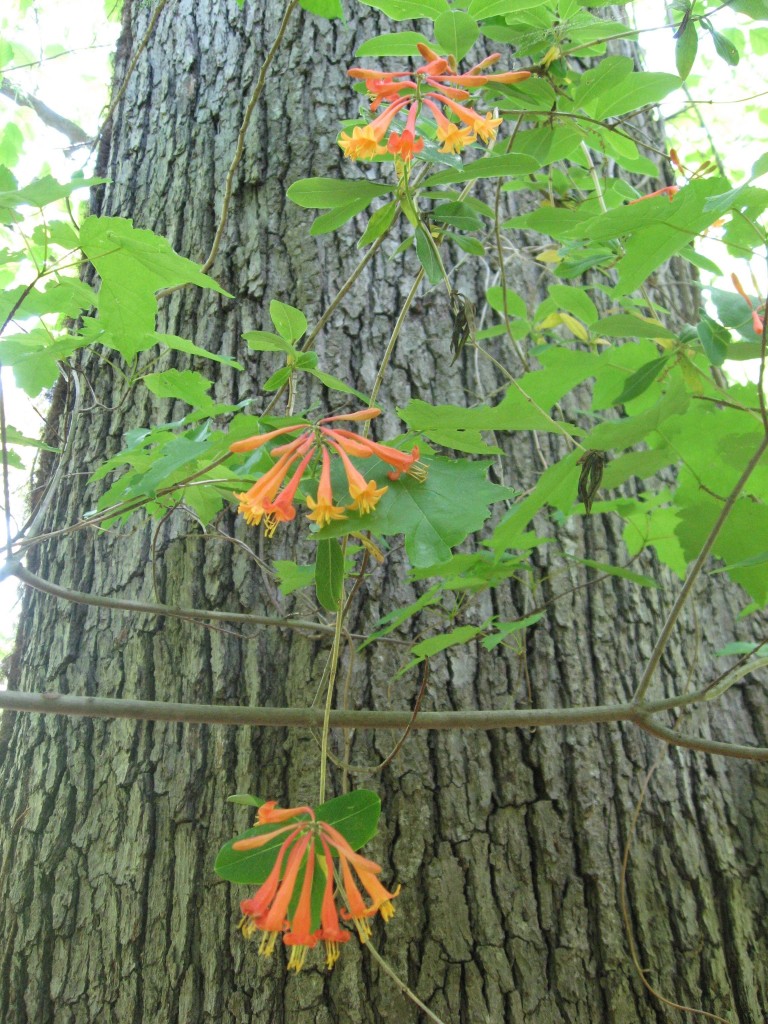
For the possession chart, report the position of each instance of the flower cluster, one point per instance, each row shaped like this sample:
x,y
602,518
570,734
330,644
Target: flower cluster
x,y
435,82
273,911
263,499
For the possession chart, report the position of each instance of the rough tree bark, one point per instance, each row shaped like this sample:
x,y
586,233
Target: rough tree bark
x,y
507,843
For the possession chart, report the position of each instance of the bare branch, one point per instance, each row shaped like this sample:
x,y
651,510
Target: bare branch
x,y
58,122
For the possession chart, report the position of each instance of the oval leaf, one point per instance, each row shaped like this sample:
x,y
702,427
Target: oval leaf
x,y
456,32
329,574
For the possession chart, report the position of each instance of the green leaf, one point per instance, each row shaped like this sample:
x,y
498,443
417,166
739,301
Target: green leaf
x,y
555,482
425,250
599,80
331,193
44,191
392,44
616,570
183,345
724,48
429,515
328,222
563,370
440,642
629,431
505,629
265,341
246,800
278,378
511,165
355,815
641,380
404,10
458,215
293,577
290,322
186,385
390,622
493,8
686,45
323,8
14,436
379,223
715,339
456,32
134,264
473,246
669,228
329,574
335,384
35,357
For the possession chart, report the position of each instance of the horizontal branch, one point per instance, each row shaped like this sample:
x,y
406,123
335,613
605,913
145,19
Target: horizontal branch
x,y
13,568
213,714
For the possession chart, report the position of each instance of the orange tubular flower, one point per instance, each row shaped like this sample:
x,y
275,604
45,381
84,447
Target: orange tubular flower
x,y
273,922
331,932
362,414
669,190
758,322
269,813
400,461
253,501
453,137
254,909
358,912
300,938
365,496
249,444
281,510
323,511
406,145
365,142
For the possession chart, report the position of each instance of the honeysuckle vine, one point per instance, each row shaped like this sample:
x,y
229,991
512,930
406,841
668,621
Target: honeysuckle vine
x,y
659,401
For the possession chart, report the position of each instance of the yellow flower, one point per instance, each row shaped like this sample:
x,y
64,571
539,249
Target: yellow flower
x,y
486,127
454,138
365,499
362,144
323,510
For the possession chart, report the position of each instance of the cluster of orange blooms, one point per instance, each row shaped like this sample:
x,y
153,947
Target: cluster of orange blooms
x,y
434,83
269,912
263,499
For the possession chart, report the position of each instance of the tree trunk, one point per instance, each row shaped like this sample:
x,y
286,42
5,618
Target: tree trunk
x,y
507,844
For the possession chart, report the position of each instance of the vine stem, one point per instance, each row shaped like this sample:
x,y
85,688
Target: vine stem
x,y
334,664
390,972
693,575
395,334
6,478
240,145
134,61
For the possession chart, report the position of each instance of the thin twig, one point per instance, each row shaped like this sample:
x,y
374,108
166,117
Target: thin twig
x,y
694,573
132,66
240,146
14,568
